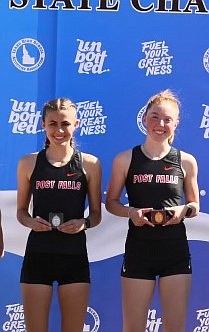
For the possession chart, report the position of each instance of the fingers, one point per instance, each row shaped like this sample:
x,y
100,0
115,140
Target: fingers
x,y
173,220
41,225
145,210
142,221
142,216
72,226
149,223
139,217
42,221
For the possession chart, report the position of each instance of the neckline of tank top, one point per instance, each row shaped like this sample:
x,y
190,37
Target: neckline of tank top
x,y
62,163
153,158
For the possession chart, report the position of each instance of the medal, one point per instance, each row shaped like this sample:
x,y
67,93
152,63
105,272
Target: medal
x,y
158,217
56,218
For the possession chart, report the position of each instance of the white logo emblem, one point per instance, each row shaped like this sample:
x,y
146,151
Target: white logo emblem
x,y
203,320
24,117
156,60
92,118
205,121
28,54
139,120
153,323
94,323
206,60
90,57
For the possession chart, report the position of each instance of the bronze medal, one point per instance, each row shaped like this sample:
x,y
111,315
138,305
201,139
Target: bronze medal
x,y
158,217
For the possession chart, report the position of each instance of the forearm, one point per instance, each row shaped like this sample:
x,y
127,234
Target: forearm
x,y
94,218
117,208
191,209
24,218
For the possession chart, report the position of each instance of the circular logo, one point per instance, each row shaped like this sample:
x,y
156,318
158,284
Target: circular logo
x,y
206,60
94,321
139,120
28,54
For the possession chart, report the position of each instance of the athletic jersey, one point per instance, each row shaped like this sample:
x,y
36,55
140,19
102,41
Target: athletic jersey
x,y
155,184
58,189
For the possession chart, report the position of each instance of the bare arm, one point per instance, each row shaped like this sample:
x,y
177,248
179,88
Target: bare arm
x,y
24,171
191,190
116,184
92,168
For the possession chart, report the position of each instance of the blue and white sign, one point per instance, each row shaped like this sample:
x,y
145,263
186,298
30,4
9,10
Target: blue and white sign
x,y
109,57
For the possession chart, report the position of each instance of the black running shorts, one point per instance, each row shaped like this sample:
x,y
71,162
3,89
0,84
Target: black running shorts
x,y
44,268
147,259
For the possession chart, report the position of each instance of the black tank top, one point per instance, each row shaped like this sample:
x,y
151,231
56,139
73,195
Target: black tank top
x,y
156,184
58,189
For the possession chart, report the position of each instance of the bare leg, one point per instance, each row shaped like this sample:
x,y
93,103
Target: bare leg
x,y
174,293
36,302
73,300
137,295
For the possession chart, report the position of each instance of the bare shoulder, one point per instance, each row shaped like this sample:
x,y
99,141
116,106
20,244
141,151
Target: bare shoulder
x,y
29,158
124,155
91,163
27,162
187,157
123,158
188,161
89,158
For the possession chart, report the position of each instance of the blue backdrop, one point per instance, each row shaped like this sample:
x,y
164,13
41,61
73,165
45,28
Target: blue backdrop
x,y
109,57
